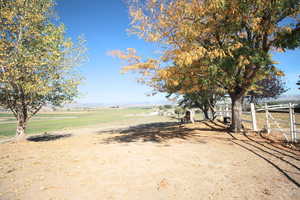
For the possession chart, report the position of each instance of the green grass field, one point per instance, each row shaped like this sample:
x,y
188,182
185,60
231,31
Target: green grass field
x,y
52,121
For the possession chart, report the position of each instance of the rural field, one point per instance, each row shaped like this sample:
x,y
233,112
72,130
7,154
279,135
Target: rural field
x,y
132,154
50,121
223,74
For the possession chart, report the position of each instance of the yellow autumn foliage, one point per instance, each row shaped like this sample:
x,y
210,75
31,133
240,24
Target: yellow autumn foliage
x,y
228,41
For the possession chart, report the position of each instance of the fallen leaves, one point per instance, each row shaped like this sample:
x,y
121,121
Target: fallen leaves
x,y
163,184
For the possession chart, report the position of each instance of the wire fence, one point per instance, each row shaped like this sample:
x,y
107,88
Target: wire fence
x,y
275,119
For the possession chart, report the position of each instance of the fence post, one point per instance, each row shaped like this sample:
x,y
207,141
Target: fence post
x,y
294,123
223,111
267,119
192,115
291,122
253,115
226,110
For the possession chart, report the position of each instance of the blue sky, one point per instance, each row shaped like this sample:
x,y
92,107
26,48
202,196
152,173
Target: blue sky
x,y
104,24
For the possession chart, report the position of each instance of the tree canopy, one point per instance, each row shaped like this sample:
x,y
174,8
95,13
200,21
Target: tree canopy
x,y
270,87
36,59
230,39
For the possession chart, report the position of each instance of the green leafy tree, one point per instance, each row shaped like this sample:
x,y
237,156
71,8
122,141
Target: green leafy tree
x,y
36,60
204,100
270,87
179,111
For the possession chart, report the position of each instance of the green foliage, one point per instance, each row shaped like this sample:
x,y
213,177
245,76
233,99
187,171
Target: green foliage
x,y
161,107
205,100
270,87
179,110
297,108
168,106
36,60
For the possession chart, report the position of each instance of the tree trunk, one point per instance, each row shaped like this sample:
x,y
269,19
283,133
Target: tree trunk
x,y
20,132
213,112
236,113
211,105
205,112
213,115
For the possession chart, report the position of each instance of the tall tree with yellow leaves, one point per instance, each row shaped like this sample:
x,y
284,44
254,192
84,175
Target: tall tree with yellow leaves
x,y
233,37
36,60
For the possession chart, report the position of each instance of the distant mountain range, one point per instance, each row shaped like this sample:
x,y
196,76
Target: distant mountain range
x,y
124,104
163,102
155,103
293,97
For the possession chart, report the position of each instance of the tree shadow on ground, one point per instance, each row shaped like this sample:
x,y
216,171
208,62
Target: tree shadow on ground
x,y
283,145
286,164
286,161
164,131
153,132
47,137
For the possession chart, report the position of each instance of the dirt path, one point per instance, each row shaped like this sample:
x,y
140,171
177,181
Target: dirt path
x,y
154,161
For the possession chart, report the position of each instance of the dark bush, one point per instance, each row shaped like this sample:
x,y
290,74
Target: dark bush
x,y
297,108
168,106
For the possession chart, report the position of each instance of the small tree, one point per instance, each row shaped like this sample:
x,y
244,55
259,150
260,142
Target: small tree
x,y
167,106
192,90
204,100
36,60
179,111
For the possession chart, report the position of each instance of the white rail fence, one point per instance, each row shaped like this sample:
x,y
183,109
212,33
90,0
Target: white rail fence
x,y
271,122
275,124
224,110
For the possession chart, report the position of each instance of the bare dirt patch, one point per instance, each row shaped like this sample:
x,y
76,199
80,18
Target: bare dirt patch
x,y
150,161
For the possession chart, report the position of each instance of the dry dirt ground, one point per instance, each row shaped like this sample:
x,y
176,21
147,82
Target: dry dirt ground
x,y
151,161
